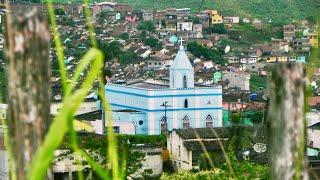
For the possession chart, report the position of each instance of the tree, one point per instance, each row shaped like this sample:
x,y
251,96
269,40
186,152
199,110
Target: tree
x,y
110,50
124,36
216,28
127,57
206,53
59,12
152,42
147,25
143,36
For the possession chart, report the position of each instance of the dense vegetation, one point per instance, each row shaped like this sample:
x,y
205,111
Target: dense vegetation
x,y
257,82
279,10
207,53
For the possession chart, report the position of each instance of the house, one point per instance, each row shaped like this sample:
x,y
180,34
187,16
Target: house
x,y
216,17
184,26
147,16
258,24
138,14
131,18
276,58
230,20
171,26
246,20
155,63
197,28
314,135
207,64
239,80
231,59
301,45
289,32
313,39
185,145
159,15
183,13
299,58
88,105
204,20
279,45
248,59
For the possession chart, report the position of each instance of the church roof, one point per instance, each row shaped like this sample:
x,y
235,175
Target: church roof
x,y
181,61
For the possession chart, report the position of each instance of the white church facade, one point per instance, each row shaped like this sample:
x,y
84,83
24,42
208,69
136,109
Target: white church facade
x,y
146,108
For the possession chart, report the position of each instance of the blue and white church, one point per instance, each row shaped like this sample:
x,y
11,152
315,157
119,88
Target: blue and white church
x,y
151,108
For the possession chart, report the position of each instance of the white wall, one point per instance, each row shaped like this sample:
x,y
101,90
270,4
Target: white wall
x,y
182,162
4,169
314,135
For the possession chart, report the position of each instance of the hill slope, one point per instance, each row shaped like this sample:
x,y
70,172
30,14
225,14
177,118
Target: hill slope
x,y
283,11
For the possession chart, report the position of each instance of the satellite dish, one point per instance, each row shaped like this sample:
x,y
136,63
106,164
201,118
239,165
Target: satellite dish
x,y
227,49
260,147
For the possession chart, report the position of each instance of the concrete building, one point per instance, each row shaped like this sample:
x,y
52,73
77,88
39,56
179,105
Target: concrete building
x,y
239,80
216,17
289,32
184,26
150,108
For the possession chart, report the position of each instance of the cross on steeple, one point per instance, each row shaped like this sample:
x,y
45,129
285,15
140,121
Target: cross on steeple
x,y
181,41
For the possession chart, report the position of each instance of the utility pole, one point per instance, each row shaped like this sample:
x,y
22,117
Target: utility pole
x,y
165,105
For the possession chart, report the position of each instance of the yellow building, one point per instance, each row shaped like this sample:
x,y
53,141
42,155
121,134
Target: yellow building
x,y
313,39
276,58
216,17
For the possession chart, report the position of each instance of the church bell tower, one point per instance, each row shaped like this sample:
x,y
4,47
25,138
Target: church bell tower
x,y
181,70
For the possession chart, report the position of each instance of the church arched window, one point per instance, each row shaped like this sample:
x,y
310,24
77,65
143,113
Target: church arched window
x,y
186,122
209,121
186,104
164,125
184,81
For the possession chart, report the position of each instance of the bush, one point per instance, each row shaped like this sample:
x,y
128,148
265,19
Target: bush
x,y
147,25
152,42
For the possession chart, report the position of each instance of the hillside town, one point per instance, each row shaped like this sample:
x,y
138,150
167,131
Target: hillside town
x,y
180,82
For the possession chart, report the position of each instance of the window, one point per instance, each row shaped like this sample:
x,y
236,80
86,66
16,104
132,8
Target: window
x,y
209,121
184,82
179,151
170,148
164,125
186,122
186,103
311,143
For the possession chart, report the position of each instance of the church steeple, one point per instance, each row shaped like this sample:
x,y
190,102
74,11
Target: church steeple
x,y
181,70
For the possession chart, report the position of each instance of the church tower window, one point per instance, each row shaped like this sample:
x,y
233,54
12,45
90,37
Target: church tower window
x,y
186,103
209,121
184,81
164,125
186,122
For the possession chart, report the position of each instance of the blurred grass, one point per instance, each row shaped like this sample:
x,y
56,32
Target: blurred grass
x,y
72,99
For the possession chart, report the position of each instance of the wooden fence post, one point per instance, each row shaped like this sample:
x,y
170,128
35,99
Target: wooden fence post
x,y
29,88
286,117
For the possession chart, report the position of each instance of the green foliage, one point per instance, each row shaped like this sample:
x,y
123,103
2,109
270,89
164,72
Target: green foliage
x,y
124,36
216,28
280,11
257,82
210,160
147,25
127,151
3,85
67,21
152,42
205,52
101,16
59,11
235,117
110,50
255,117
128,57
